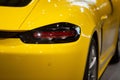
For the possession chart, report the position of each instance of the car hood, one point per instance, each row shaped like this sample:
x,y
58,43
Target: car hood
x,y
53,11
45,12
11,18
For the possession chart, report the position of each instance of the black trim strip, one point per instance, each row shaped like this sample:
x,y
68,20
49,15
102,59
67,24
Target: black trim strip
x,y
4,34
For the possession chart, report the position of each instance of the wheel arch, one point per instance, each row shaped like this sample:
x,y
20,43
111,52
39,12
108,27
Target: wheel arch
x,y
95,36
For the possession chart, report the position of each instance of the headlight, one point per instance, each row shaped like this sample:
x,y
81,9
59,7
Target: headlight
x,y
54,33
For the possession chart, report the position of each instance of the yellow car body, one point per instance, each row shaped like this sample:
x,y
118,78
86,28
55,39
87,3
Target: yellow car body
x,y
60,61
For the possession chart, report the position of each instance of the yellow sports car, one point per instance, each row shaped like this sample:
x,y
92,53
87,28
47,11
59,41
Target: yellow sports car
x,y
57,39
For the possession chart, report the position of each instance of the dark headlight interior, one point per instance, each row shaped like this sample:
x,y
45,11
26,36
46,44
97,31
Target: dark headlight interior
x,y
54,33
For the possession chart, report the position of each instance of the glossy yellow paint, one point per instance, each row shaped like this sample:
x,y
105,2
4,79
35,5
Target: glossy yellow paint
x,y
13,17
66,61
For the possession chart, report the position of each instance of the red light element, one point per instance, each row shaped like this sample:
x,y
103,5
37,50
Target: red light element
x,y
54,34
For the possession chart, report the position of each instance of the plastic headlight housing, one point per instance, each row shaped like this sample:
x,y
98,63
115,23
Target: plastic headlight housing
x,y
54,33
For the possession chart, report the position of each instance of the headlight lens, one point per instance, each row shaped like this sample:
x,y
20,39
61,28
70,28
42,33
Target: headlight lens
x,y
54,33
